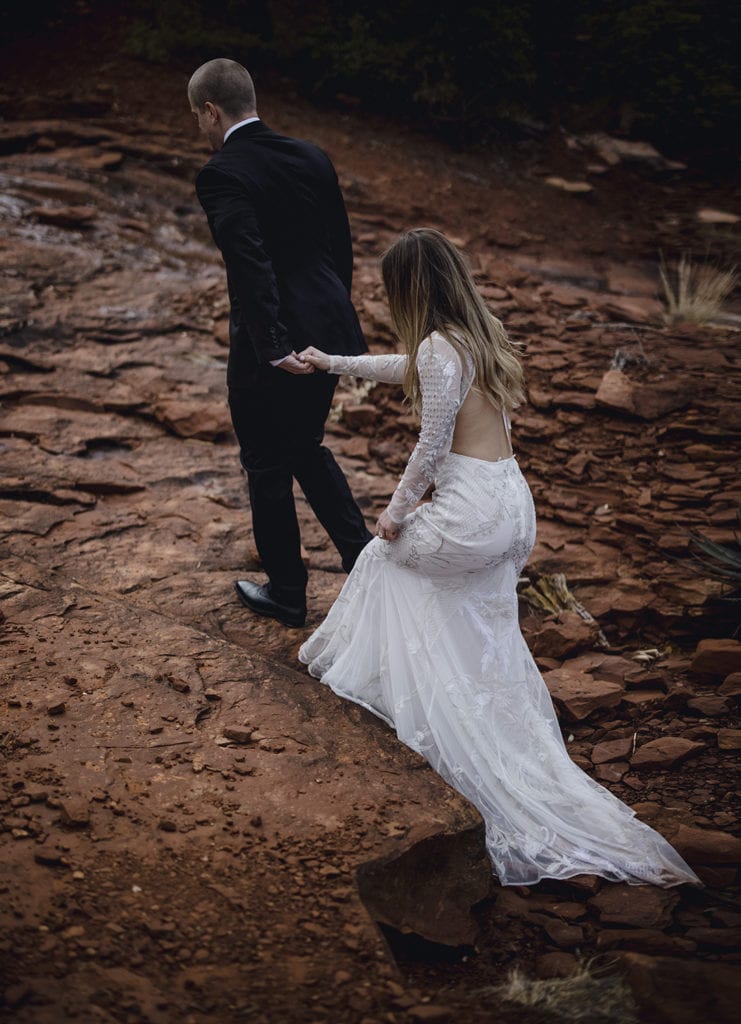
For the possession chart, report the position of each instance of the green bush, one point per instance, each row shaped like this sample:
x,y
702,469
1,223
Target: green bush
x,y
193,31
673,64
464,64
34,15
663,68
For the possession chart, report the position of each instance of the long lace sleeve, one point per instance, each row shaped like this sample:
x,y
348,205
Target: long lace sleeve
x,y
390,369
439,369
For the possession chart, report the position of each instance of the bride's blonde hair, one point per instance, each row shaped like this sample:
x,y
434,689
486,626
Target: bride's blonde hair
x,y
430,288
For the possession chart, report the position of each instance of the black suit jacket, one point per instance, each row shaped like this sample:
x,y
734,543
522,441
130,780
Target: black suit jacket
x,y
276,212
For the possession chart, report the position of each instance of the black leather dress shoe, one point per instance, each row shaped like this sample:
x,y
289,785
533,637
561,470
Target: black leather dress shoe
x,y
259,600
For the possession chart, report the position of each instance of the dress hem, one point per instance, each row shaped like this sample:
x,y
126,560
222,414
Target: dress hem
x,y
561,877
355,700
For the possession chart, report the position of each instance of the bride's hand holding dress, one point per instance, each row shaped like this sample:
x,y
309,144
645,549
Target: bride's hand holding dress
x,y
386,528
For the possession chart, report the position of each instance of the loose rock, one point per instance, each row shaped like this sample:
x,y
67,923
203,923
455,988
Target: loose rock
x,y
717,657
729,739
239,733
670,991
555,965
709,216
65,216
568,634
578,694
638,906
706,846
356,416
430,1012
75,813
649,402
612,750
665,752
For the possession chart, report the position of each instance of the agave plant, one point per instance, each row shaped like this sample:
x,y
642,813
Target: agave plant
x,y
719,561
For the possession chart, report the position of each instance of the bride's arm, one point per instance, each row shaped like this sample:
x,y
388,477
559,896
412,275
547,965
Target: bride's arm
x,y
390,369
439,369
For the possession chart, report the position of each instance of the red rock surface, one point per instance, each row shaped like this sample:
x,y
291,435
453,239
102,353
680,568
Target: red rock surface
x,y
617,391
665,752
671,991
568,634
193,830
729,739
707,846
717,657
636,906
579,694
612,750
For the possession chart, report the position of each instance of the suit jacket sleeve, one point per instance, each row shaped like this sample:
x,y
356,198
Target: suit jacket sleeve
x,y
340,239
236,230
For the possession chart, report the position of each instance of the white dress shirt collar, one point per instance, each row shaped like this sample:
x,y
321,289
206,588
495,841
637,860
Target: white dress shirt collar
x,y
239,124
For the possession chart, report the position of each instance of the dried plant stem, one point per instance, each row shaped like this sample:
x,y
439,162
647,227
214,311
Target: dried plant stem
x,y
582,998
698,290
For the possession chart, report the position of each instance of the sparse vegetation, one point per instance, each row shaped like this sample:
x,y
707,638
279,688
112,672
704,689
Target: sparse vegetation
x,y
551,595
470,69
719,561
697,291
586,997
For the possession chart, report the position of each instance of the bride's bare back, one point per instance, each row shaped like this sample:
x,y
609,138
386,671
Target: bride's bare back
x,y
480,432
455,415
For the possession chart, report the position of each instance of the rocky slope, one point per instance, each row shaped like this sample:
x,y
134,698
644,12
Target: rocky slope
x,y
192,829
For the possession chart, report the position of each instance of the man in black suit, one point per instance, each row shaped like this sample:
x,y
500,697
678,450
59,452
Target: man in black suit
x,y
276,213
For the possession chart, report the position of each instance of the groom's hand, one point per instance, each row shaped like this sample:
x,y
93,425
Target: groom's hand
x,y
295,364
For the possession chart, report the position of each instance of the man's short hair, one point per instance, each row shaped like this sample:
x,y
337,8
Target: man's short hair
x,y
224,83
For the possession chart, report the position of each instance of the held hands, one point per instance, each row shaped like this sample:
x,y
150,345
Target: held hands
x,y
386,528
305,362
295,364
315,358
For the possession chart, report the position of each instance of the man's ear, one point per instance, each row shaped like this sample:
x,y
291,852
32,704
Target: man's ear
x,y
212,111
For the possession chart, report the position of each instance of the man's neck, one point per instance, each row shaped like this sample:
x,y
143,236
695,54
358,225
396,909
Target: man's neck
x,y
238,123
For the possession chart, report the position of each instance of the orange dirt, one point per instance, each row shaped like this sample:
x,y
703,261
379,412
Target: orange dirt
x,y
193,830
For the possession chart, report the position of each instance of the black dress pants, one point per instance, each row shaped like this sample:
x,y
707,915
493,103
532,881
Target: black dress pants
x,y
279,421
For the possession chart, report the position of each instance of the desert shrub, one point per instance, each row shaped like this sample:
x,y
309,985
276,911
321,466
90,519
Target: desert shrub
x,y
32,15
458,63
588,996
663,68
669,68
697,290
192,31
720,562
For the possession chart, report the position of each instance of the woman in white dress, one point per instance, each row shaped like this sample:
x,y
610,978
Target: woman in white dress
x,y
425,631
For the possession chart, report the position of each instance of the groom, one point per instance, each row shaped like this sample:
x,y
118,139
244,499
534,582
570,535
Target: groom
x,y
276,213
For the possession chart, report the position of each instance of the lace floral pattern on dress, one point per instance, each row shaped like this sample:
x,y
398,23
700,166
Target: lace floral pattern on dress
x,y
390,369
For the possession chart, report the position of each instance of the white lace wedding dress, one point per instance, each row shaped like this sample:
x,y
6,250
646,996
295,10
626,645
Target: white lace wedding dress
x,y
425,635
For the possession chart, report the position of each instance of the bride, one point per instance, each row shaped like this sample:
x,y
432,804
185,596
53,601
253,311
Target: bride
x,y
425,631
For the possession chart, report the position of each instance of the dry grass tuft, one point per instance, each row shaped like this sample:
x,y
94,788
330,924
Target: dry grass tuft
x,y
582,998
718,561
698,290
